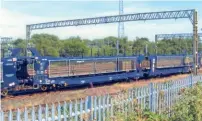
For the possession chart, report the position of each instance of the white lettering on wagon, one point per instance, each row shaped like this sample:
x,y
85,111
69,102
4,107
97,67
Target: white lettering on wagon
x,y
9,75
80,61
9,64
9,60
12,84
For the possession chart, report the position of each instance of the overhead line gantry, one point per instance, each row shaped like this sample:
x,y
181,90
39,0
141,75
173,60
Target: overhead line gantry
x,y
176,35
5,39
178,14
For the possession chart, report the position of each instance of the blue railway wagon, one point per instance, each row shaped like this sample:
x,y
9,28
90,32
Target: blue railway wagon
x,y
87,70
8,72
15,70
189,61
38,71
166,65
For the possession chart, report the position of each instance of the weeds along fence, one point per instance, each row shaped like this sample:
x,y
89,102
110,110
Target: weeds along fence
x,y
158,97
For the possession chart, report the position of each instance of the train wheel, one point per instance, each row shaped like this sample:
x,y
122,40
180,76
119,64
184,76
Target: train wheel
x,y
44,87
146,75
129,80
4,92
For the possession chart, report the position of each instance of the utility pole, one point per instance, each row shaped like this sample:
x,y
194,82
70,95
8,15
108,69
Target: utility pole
x,y
28,33
120,27
195,42
156,51
146,50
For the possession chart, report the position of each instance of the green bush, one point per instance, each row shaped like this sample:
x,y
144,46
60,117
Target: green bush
x,y
187,108
140,115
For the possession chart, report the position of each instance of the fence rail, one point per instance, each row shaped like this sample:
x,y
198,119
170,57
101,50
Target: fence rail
x,y
158,97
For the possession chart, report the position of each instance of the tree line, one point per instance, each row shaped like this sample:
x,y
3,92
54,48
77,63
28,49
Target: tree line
x,y
51,45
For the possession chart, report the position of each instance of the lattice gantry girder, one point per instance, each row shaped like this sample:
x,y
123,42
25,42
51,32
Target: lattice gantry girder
x,y
179,35
117,18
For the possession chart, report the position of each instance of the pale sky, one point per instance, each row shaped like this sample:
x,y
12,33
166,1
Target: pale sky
x,y
15,15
